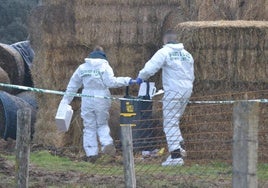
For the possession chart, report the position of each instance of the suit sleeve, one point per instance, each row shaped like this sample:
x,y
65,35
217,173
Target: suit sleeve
x,y
153,65
74,84
111,81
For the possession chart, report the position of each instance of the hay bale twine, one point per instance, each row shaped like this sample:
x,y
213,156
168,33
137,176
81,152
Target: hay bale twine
x,y
12,63
4,79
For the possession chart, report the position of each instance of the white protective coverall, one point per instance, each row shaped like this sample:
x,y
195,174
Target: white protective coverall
x,y
177,76
96,76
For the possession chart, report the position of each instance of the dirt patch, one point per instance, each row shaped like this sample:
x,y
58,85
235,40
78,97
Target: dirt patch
x,y
43,178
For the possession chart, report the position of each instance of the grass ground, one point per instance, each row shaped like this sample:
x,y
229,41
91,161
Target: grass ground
x,y
49,170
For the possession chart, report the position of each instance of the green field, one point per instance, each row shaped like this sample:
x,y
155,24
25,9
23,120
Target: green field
x,y
48,170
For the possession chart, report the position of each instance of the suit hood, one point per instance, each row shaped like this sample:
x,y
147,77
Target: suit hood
x,y
95,61
178,46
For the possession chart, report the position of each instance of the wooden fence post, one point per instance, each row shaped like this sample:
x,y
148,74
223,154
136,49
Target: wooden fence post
x,y
245,144
23,139
129,168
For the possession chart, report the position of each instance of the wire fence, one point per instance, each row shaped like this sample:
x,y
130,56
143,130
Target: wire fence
x,y
207,130
208,139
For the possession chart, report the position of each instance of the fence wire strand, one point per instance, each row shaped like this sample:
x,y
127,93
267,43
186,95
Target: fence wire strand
x,y
207,130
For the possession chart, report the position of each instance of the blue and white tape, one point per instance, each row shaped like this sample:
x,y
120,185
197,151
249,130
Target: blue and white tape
x,y
39,90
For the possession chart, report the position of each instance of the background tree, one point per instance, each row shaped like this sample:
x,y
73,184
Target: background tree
x,y
13,19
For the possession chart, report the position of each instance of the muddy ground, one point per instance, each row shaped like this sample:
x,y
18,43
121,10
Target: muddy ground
x,y
38,177
41,178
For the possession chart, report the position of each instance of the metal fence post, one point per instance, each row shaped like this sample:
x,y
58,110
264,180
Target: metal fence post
x,y
129,168
245,144
23,147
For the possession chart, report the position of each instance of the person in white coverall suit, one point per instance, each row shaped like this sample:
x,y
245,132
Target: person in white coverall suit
x,y
177,76
96,76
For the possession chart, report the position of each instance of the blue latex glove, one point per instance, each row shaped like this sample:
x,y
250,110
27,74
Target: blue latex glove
x,y
139,81
132,81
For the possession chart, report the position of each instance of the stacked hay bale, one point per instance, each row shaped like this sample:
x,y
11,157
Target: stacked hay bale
x,y
57,56
230,56
64,33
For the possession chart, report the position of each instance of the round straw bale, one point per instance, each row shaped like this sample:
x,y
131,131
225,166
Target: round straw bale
x,y
4,79
2,120
9,105
29,97
12,62
4,76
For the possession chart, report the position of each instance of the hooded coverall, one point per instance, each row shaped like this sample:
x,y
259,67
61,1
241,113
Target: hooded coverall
x,y
177,76
96,76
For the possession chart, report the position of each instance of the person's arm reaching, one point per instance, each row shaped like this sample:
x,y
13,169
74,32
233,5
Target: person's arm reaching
x,y
74,84
111,81
153,65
